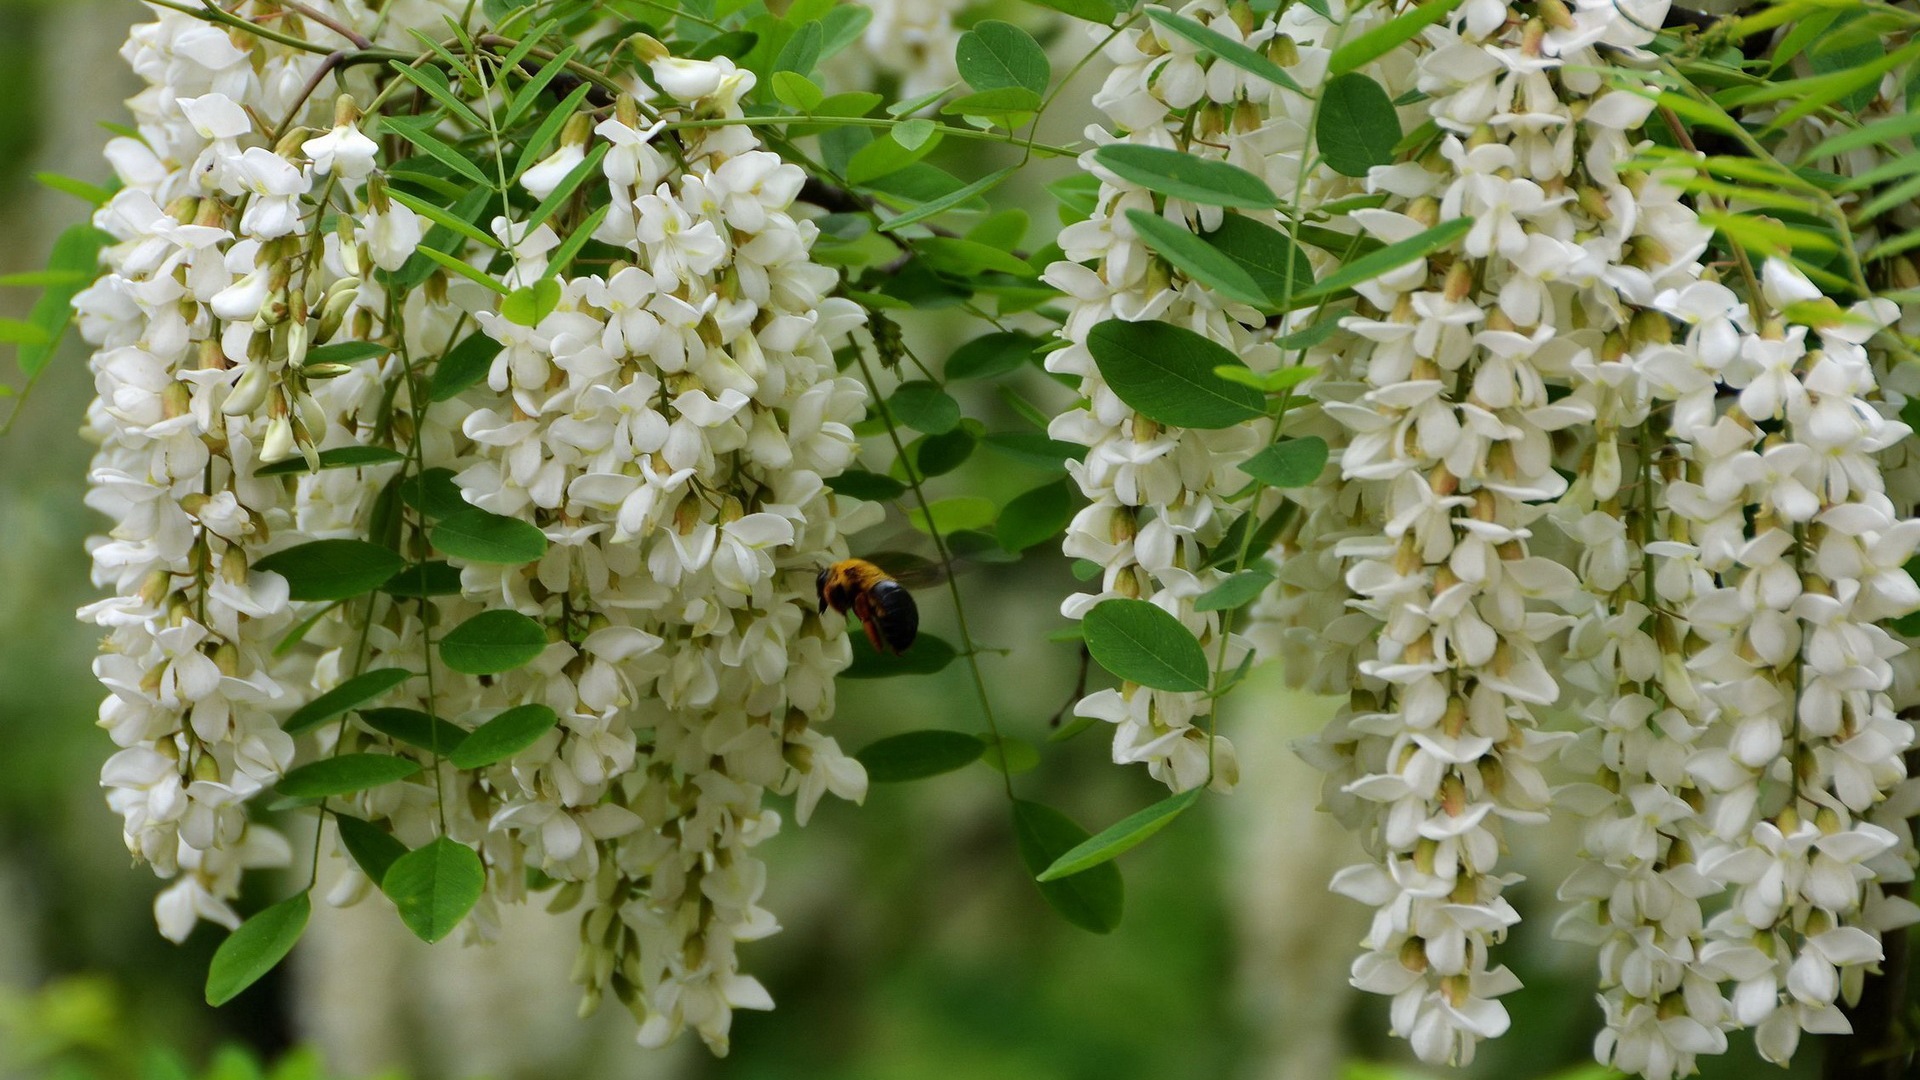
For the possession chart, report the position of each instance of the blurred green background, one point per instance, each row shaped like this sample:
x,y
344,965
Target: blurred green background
x,y
914,945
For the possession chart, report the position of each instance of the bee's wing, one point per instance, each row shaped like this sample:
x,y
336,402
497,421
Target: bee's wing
x,y
913,571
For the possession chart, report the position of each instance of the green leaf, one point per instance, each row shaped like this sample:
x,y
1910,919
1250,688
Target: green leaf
x,y
1234,593
528,304
1196,258
1276,265
355,692
478,535
343,774
802,50
991,356
434,81
995,54
504,736
1225,48
492,642
1034,517
1226,554
1357,127
867,486
1008,103
577,239
927,655
340,457
463,365
415,728
433,578
937,455
1388,36
952,514
1289,463
916,755
796,91
347,352
1182,176
1034,449
1008,755
1093,900
462,267
1120,837
549,129
1141,643
417,133
948,201
1166,373
434,494
373,848
435,886
967,258
91,194
77,250
1393,256
923,406
37,279
255,948
882,157
331,569
444,218
527,95
1880,133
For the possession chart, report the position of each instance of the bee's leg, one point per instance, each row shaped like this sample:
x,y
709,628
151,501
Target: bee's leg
x,y
863,610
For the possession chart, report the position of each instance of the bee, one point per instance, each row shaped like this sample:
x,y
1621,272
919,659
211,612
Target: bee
x,y
884,606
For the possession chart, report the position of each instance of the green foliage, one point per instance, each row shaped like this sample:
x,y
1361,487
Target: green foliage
x,y
343,774
435,886
1120,837
1141,643
492,642
1166,372
1289,463
477,535
1180,175
1092,900
512,731
916,755
252,950
1357,127
362,688
332,569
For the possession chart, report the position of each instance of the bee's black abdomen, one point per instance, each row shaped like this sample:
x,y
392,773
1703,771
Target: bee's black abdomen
x,y
896,614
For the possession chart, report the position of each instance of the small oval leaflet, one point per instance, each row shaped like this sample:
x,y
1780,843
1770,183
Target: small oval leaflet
x,y
345,773
1289,463
373,848
1196,258
504,736
938,455
435,886
991,355
492,642
1225,48
928,655
255,947
1234,593
357,691
1141,643
953,514
1374,263
1092,900
867,486
478,535
916,755
340,457
1120,837
434,578
1358,127
528,304
1166,373
1034,516
995,54
1183,176
1279,269
415,728
924,407
332,569
1009,755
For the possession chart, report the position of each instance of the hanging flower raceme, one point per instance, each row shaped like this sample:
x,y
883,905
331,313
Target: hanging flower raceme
x,y
563,613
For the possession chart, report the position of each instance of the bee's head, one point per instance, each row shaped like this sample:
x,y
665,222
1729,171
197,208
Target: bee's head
x,y
820,586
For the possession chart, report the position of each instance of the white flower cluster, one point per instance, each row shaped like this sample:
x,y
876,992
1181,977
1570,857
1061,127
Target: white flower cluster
x,y
672,423
669,426
1721,500
1157,494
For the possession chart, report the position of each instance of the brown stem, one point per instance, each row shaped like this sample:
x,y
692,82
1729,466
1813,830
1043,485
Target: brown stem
x,y
359,40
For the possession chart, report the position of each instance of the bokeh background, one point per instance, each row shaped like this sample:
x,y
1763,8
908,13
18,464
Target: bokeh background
x,y
914,944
